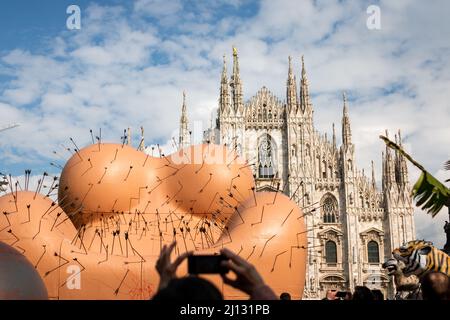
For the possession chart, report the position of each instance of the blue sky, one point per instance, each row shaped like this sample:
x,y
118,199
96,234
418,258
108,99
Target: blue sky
x,y
26,24
131,60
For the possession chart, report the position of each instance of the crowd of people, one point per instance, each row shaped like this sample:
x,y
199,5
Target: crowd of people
x,y
434,285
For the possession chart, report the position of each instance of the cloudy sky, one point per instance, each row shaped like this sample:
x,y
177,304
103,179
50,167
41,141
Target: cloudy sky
x,y
129,63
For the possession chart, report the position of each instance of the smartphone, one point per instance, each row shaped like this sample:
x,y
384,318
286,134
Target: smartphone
x,y
341,294
206,264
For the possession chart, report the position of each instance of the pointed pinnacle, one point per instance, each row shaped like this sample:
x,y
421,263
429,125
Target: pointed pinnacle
x,y
303,67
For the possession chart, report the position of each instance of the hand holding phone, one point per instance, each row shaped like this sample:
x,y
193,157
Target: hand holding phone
x,y
247,278
206,264
341,294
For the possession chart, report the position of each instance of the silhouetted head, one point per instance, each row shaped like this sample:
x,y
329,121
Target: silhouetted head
x,y
285,296
362,293
377,295
348,296
189,288
435,286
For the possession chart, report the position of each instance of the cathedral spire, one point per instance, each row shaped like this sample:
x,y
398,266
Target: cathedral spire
x,y
334,136
183,108
224,70
183,140
389,168
224,100
303,68
291,94
235,62
346,130
236,84
401,167
374,184
305,103
383,170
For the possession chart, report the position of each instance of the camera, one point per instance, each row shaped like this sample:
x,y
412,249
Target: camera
x,y
206,264
341,294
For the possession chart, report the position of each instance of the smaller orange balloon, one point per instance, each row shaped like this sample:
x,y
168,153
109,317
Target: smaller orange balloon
x,y
18,278
211,181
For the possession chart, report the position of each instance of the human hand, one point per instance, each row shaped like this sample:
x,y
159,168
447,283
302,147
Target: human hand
x,y
247,279
167,270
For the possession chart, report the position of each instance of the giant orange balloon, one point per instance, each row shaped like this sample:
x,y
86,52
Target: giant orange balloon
x,y
126,205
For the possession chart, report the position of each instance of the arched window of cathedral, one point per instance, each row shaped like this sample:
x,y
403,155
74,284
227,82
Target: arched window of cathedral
x,y
308,150
349,165
267,152
329,209
330,170
330,252
294,150
373,252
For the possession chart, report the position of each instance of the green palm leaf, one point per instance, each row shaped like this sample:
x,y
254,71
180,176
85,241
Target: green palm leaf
x,y
428,192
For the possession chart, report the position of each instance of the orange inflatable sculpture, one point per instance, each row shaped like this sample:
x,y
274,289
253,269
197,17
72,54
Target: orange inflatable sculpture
x,y
117,207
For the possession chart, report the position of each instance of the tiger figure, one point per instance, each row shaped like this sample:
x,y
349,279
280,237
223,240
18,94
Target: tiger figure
x,y
420,257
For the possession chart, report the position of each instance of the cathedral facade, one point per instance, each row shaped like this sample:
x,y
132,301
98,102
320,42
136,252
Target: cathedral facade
x,y
352,225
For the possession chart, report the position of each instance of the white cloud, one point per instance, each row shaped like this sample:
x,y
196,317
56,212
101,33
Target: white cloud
x,y
158,8
122,70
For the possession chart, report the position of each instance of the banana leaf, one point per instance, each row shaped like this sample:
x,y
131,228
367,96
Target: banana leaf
x,y
429,193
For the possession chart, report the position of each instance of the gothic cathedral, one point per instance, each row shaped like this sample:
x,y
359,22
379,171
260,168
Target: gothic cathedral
x,y
352,225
